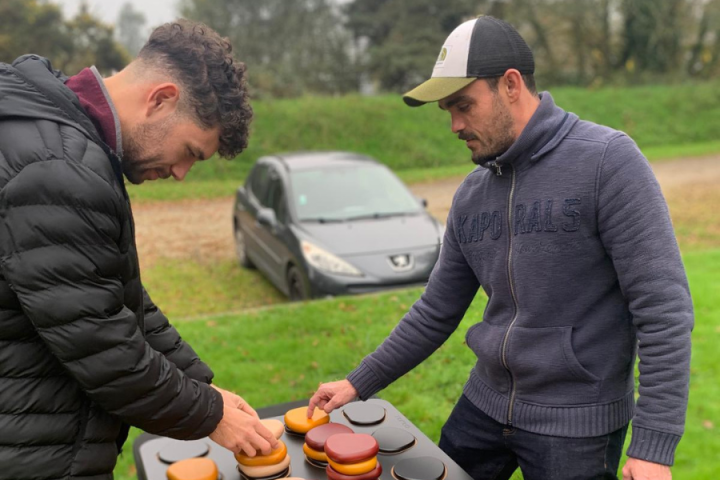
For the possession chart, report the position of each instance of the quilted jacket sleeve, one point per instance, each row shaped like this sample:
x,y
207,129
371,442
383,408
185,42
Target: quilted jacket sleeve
x,y
165,339
59,228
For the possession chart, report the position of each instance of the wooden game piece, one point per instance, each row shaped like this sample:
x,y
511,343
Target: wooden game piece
x,y
296,420
193,469
265,470
273,458
358,468
334,475
316,437
351,447
275,426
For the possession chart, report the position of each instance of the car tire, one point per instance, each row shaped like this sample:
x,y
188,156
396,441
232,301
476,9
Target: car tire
x,y
241,249
297,290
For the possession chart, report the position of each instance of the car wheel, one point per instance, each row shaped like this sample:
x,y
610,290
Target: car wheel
x,y
296,285
241,249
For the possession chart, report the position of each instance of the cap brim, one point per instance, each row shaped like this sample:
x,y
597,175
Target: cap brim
x,y
435,89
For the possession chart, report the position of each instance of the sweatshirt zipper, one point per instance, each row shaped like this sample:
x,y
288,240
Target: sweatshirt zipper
x,y
514,297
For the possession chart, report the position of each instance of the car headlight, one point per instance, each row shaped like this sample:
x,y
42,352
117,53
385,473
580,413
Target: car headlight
x,y
326,261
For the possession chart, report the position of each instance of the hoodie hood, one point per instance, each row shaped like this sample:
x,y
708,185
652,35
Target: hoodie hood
x,y
545,130
31,88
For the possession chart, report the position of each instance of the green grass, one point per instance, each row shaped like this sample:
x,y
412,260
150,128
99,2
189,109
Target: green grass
x,y
280,354
189,288
665,121
668,152
697,456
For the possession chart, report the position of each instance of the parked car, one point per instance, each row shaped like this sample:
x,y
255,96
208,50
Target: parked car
x,y
333,223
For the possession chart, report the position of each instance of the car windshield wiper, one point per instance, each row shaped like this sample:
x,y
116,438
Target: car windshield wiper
x,y
380,215
323,220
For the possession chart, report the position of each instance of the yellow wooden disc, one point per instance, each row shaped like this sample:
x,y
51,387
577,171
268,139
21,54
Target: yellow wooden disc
x,y
276,456
314,454
193,469
265,470
359,468
297,421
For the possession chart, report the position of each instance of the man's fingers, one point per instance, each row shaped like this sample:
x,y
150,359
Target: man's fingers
x,y
247,449
334,403
260,443
265,433
315,402
245,407
311,408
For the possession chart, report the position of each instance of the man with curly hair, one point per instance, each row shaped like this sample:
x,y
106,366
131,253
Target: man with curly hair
x,y
84,352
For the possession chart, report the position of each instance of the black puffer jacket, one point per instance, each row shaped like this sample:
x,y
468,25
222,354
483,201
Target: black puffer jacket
x,y
83,351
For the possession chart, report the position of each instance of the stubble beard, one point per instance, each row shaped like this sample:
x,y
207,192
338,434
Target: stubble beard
x,y
142,148
500,139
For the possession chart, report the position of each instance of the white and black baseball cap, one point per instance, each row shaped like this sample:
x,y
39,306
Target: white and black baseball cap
x,y
480,48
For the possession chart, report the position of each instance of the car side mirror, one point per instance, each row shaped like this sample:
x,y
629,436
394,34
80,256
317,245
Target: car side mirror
x,y
422,201
266,217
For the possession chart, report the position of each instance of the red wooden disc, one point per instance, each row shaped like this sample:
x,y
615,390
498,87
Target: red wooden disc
x,y
316,437
351,447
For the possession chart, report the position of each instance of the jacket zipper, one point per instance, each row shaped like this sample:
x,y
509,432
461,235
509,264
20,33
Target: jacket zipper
x,y
514,297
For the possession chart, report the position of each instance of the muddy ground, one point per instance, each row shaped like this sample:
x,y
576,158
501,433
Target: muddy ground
x,y
201,230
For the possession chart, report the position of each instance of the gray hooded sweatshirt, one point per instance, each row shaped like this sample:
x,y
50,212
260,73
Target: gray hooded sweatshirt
x,y
569,236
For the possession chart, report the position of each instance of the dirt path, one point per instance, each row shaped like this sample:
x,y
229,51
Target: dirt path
x,y
201,230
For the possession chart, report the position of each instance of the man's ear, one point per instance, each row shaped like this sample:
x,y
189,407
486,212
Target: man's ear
x,y
162,100
513,84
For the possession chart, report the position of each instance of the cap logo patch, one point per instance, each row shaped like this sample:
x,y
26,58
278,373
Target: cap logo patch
x,y
441,58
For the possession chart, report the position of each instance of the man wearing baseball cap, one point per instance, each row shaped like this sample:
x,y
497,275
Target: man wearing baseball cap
x,y
565,228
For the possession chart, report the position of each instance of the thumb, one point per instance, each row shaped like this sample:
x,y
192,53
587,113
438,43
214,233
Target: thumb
x,y
335,402
627,473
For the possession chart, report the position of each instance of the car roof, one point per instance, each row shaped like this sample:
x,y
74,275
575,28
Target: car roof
x,y
295,161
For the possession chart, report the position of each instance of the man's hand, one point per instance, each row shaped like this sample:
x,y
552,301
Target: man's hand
x,y
636,469
230,398
240,429
330,396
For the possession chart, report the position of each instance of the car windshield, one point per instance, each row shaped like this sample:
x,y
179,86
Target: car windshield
x,y
349,193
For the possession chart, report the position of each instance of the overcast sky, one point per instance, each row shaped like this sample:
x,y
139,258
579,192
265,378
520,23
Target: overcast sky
x,y
155,11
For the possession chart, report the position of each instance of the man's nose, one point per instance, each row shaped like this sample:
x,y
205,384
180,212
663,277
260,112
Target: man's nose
x,y
181,169
456,124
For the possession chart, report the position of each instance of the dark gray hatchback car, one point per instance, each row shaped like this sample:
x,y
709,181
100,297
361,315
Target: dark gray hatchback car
x,y
333,223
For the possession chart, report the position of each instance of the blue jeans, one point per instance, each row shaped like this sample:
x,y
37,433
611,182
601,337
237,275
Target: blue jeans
x,y
488,450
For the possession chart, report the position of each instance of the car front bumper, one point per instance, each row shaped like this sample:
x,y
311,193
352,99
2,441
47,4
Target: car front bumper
x,y
377,274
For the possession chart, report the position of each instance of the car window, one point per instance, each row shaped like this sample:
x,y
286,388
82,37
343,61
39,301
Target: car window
x,y
348,192
260,183
277,200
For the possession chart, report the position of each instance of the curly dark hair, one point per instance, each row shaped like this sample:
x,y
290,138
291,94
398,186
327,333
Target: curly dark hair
x,y
202,63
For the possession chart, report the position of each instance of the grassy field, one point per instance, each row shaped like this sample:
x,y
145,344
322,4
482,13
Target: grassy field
x,y
195,287
665,122
188,288
281,353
